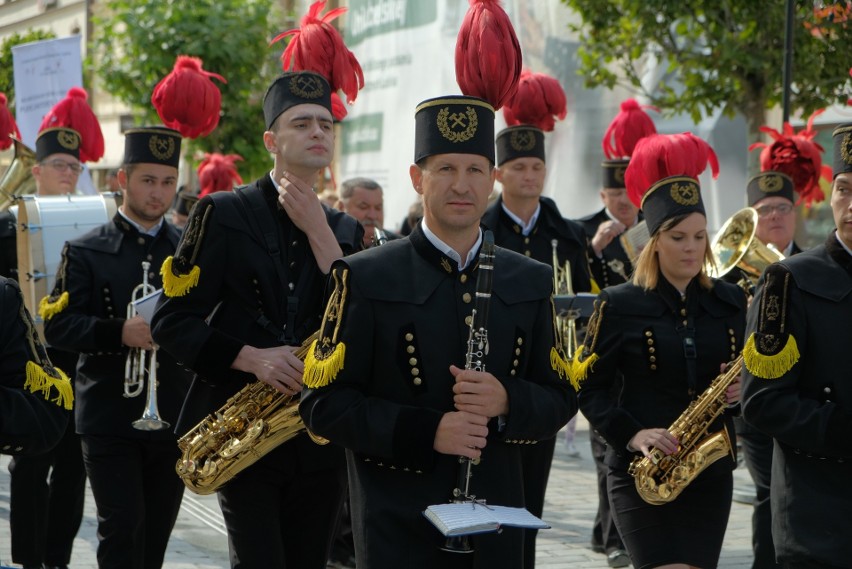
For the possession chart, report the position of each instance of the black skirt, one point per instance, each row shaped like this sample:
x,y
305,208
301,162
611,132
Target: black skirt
x,y
688,530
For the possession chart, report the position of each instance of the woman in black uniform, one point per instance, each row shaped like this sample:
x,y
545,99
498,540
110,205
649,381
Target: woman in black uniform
x,y
669,331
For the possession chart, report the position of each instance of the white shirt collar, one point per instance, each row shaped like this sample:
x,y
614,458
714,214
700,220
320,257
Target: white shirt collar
x,y
152,232
526,228
842,244
612,217
449,251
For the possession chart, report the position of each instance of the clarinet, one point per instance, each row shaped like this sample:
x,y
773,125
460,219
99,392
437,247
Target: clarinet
x,y
477,349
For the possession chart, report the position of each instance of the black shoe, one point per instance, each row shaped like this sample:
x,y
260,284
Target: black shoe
x,y
618,558
55,567
597,548
31,566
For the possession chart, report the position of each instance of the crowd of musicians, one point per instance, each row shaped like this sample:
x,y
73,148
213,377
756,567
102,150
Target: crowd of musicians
x,y
417,393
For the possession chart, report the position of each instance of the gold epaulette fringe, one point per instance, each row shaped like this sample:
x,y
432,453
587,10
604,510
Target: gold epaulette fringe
x,y
562,367
580,367
770,367
38,380
320,372
178,285
596,289
47,309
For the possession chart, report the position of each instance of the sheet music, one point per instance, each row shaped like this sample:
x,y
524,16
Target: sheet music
x,y
470,517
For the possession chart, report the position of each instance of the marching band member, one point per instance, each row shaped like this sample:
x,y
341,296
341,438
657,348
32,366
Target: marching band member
x,y
665,336
131,471
385,378
257,258
47,491
795,392
363,199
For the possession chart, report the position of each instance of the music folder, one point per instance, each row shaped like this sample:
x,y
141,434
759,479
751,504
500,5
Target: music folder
x,y
467,518
580,305
145,306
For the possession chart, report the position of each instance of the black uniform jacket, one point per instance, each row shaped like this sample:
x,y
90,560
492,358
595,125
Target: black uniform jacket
x,y
614,266
641,335
570,246
805,403
8,246
30,423
99,272
241,298
403,308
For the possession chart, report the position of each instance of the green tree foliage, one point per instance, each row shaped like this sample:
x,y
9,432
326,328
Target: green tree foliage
x,y
7,75
137,41
719,54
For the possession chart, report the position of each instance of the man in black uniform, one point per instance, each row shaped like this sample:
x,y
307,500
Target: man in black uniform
x,y
385,376
36,397
131,471
794,391
363,199
609,262
243,290
527,223
47,491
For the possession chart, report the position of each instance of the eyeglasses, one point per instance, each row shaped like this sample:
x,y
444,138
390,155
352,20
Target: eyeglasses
x,y
62,166
767,210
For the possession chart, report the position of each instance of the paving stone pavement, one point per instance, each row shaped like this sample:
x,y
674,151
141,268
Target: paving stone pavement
x,y
199,541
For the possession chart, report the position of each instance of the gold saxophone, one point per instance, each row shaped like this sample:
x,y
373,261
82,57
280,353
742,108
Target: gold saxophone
x,y
249,425
660,478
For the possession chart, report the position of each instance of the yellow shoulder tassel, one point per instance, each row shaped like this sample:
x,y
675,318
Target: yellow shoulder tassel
x,y
562,367
580,367
178,285
48,309
770,367
596,289
321,371
39,380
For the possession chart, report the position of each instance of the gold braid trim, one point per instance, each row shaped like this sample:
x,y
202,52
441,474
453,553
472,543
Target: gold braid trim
x,y
48,308
562,367
40,381
582,363
326,355
770,366
178,285
580,366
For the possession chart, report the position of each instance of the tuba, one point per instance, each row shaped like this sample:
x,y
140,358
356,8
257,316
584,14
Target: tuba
x,y
660,478
18,180
736,246
250,424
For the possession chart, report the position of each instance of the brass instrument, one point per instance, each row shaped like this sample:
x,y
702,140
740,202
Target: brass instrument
x,y
379,237
250,424
634,240
736,246
660,478
477,349
18,180
566,321
136,366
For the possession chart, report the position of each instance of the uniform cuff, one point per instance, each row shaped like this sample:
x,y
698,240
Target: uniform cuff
x,y
108,334
217,354
414,437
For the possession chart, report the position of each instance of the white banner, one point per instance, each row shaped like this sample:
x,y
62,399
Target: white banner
x,y
44,71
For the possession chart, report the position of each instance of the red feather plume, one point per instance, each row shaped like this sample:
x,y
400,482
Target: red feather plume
x,y
626,129
187,100
317,46
660,156
218,173
488,54
539,101
8,126
849,101
797,155
74,112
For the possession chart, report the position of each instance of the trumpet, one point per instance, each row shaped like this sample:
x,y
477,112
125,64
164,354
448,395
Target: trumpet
x,y
141,364
566,321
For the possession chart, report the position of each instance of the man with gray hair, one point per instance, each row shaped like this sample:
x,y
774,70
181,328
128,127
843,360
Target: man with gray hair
x,y
363,199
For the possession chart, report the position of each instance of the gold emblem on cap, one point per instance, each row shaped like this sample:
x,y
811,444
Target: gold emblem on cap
x,y
162,147
846,148
522,140
770,183
457,127
68,139
306,87
685,194
618,174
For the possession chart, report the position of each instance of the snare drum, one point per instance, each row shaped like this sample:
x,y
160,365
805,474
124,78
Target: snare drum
x,y
44,225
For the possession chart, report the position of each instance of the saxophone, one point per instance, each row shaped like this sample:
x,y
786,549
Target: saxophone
x,y
660,478
249,425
